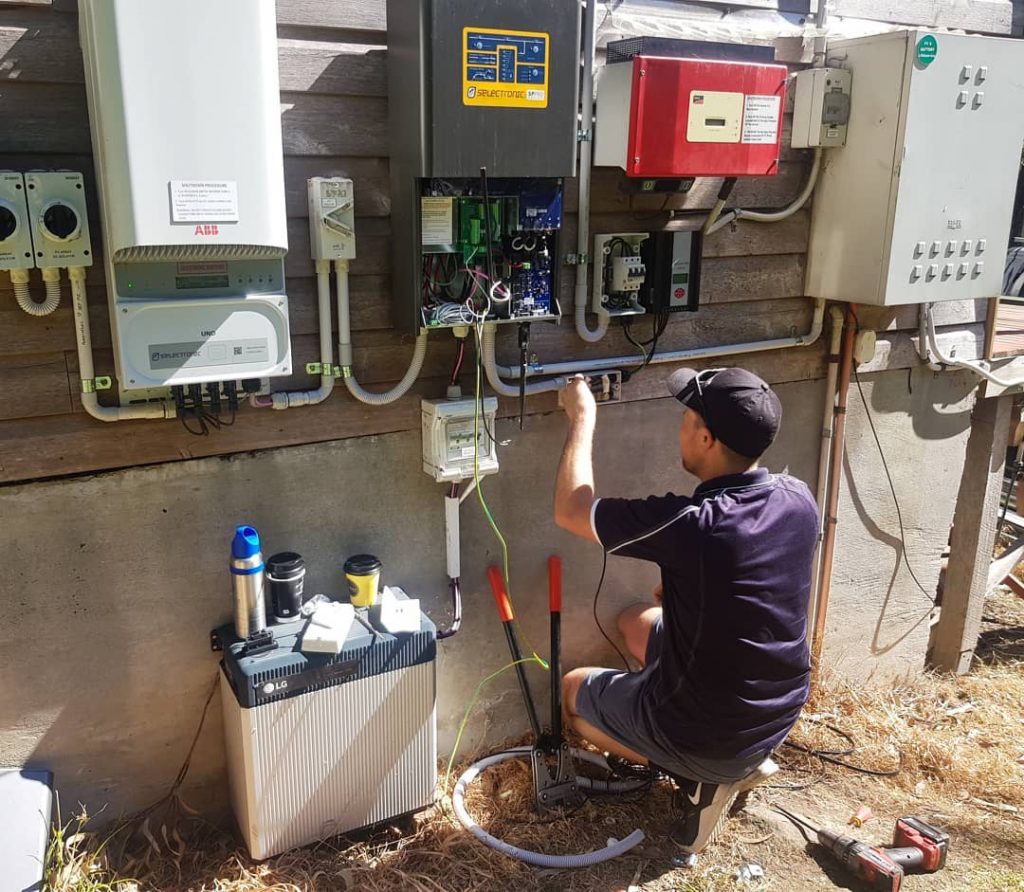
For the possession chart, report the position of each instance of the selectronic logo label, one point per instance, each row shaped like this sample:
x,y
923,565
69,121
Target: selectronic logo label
x,y
505,69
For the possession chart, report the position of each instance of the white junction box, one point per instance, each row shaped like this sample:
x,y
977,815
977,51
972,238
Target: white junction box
x,y
619,273
15,238
916,208
821,107
450,430
186,131
332,224
59,218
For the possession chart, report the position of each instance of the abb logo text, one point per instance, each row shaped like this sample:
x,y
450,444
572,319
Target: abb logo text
x,y
208,229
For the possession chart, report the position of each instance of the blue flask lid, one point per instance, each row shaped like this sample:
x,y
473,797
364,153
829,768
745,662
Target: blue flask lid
x,y
246,543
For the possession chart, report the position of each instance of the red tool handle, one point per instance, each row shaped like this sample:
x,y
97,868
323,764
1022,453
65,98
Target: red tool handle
x,y
877,868
500,595
914,833
555,584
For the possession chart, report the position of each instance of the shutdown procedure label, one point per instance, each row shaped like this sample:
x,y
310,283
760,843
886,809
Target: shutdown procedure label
x,y
505,69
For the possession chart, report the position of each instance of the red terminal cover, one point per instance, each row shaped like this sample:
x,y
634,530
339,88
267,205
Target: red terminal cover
x,y
736,106
555,584
500,595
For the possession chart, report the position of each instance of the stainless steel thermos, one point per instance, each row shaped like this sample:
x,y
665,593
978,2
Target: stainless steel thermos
x,y
247,577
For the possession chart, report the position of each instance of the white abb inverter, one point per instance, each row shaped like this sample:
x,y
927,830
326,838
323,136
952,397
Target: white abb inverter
x,y
184,107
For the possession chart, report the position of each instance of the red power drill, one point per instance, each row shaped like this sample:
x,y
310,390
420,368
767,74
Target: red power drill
x,y
918,847
870,864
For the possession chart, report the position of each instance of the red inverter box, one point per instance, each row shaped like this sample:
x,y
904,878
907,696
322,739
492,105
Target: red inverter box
x,y
660,117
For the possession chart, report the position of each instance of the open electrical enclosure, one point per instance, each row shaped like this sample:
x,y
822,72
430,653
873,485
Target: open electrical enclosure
x,y
483,105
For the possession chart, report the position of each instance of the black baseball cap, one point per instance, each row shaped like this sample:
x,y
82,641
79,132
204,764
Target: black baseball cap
x,y
738,408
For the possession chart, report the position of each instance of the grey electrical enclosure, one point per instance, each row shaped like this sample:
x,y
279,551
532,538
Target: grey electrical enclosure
x,y
451,116
475,84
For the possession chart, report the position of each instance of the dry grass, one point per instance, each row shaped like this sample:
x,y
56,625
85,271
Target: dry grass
x,y
958,743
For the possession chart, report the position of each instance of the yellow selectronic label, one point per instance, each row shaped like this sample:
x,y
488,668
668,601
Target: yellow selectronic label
x,y
505,68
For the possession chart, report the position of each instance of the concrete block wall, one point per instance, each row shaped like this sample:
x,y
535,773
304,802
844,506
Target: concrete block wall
x,y
115,580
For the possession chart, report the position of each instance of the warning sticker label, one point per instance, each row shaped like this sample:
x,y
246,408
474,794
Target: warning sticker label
x,y
761,119
204,201
437,220
507,69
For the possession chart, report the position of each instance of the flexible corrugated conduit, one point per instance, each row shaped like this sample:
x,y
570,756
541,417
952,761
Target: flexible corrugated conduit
x,y
539,859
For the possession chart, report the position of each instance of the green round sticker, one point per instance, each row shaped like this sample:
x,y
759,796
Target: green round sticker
x,y
927,50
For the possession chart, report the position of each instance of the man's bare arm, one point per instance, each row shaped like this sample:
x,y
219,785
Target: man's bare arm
x,y
574,486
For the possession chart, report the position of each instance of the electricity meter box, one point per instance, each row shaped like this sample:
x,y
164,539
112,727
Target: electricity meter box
x,y
480,85
661,117
186,131
917,206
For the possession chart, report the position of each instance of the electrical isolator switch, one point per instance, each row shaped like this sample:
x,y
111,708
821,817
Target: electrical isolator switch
x,y
821,107
332,234
919,249
961,99
620,270
915,273
981,245
965,246
982,74
627,274
962,271
15,235
60,222
933,271
950,248
965,73
936,247
979,267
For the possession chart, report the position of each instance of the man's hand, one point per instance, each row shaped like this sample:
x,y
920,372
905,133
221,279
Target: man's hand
x,y
578,400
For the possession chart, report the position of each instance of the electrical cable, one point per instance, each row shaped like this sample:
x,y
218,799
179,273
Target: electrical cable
x,y
892,488
477,414
832,756
597,594
458,361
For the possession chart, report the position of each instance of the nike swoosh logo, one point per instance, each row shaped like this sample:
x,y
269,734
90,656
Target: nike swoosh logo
x,y
695,798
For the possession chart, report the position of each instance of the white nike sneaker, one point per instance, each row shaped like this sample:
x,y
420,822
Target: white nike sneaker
x,y
705,806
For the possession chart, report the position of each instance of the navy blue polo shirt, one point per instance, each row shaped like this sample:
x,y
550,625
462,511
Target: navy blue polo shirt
x,y
735,562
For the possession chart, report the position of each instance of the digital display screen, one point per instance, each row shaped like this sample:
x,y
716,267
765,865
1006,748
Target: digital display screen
x,y
680,278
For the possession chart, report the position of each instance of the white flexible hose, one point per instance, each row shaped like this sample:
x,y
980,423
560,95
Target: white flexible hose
x,y
345,351
774,216
499,386
976,366
291,399
538,859
583,211
86,371
23,296
401,388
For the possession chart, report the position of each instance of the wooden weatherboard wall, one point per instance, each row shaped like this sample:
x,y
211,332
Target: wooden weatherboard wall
x,y
334,109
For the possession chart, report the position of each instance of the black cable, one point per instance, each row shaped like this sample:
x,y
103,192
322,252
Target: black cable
x,y
202,432
892,488
597,593
831,756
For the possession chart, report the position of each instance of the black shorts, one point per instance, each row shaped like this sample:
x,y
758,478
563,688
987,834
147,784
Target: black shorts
x,y
611,701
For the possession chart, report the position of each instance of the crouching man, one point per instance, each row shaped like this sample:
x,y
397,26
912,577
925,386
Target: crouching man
x,y
725,663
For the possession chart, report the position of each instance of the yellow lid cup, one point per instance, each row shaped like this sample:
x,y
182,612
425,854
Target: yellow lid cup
x,y
363,574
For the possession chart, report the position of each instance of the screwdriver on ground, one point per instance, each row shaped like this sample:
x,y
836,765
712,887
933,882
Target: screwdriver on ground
x,y
872,865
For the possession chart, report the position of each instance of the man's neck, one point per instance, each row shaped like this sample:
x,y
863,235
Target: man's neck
x,y
726,469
